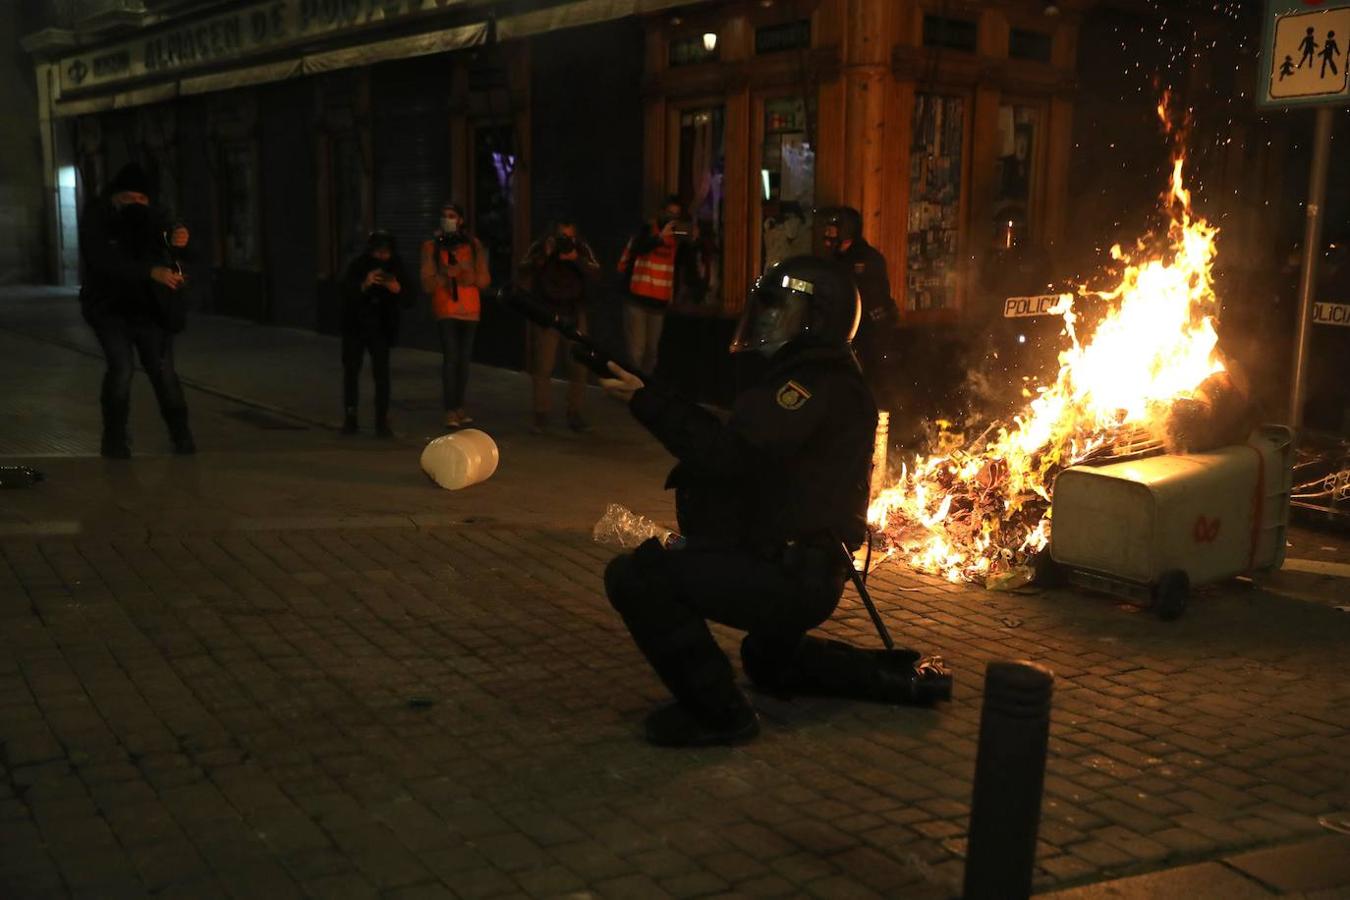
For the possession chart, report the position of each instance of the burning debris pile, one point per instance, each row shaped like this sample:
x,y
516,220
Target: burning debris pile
x,y
1142,364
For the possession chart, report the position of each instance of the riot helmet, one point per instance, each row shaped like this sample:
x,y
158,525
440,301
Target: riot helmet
x,y
801,298
842,224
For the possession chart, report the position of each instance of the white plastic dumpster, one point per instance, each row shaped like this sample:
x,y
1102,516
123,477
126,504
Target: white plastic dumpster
x,y
1153,527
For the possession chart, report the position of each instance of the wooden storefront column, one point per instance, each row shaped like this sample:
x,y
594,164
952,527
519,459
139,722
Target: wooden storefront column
x,y
983,169
895,181
867,47
736,201
1057,171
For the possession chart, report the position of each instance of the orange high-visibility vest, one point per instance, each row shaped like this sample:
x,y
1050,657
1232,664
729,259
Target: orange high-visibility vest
x,y
653,272
458,301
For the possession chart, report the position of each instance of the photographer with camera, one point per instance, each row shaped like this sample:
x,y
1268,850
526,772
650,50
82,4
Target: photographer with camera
x,y
557,270
372,292
454,270
648,263
130,295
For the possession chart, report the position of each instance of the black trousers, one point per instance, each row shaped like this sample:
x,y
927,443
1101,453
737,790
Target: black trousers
x,y
358,339
120,338
667,598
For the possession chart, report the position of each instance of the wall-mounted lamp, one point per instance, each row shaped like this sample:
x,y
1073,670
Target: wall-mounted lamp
x,y
710,41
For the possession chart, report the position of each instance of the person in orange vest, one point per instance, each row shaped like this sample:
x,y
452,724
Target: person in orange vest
x,y
648,262
454,271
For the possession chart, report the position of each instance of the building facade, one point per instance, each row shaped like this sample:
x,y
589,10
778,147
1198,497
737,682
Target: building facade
x,y
283,131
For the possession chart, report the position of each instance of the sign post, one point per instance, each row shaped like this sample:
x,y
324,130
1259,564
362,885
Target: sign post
x,y
1304,64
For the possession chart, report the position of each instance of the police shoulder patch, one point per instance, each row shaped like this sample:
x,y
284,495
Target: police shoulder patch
x,y
792,395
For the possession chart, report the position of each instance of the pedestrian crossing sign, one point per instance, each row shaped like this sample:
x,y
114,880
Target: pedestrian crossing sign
x,y
1304,53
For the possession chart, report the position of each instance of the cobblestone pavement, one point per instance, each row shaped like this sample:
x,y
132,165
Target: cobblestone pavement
x,y
257,680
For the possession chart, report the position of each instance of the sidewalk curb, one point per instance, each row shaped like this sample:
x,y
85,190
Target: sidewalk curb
x,y
186,381
1311,864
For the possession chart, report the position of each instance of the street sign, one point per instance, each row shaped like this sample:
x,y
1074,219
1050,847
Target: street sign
x,y
1331,314
1303,53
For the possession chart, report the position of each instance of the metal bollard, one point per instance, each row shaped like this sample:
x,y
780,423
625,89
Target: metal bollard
x,y
1005,805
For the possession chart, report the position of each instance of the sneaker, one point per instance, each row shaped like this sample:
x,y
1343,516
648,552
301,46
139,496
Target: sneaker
x,y
577,423
675,725
382,430
452,419
540,425
464,417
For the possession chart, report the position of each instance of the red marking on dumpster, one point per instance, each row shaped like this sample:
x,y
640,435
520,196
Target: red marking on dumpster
x,y
1206,530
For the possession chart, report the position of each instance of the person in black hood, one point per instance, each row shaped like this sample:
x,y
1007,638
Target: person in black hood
x,y
372,292
130,294
764,502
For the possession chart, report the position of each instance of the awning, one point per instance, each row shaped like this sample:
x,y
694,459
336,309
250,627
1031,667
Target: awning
x,y
576,14
309,64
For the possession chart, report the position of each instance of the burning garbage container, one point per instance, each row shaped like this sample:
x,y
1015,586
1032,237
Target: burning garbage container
x,y
1150,528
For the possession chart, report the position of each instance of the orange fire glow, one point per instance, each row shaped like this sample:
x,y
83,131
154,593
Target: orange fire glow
x,y
977,512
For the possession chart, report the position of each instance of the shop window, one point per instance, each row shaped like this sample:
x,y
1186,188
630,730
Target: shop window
x,y
702,170
1014,179
1032,45
950,34
494,165
787,36
935,176
787,180
240,205
687,51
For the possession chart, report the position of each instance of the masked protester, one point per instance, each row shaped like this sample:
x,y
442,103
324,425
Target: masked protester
x,y
558,270
649,264
454,272
764,502
372,292
130,295
843,241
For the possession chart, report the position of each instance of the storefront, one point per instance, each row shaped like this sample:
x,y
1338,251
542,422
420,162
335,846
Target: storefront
x,y
284,131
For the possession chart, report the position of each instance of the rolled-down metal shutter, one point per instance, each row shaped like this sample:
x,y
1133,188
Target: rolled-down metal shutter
x,y
410,106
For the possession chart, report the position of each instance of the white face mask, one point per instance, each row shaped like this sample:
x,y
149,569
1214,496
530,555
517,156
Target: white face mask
x,y
449,224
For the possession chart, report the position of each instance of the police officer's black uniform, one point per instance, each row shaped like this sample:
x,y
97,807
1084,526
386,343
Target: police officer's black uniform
x,y
867,267
763,500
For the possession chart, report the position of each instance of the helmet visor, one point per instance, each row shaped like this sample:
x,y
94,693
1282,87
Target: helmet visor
x,y
774,314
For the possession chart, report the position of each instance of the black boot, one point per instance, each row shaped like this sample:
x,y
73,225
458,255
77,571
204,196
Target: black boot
x,y
115,444
179,433
382,429
676,725
824,667
349,421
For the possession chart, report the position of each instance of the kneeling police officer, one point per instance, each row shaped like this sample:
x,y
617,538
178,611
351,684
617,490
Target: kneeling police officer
x,y
764,502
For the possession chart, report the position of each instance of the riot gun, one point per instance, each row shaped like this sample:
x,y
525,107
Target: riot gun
x,y
584,350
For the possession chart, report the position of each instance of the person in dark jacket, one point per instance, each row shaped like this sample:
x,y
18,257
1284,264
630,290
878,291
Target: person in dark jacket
x,y
558,270
129,295
764,502
373,289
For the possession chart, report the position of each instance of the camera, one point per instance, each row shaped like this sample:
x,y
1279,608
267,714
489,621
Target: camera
x,y
681,228
564,244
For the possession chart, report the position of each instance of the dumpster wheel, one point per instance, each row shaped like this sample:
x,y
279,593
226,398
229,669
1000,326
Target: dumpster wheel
x,y
1170,594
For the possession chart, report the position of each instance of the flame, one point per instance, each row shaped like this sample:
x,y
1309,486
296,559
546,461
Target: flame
x,y
977,510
